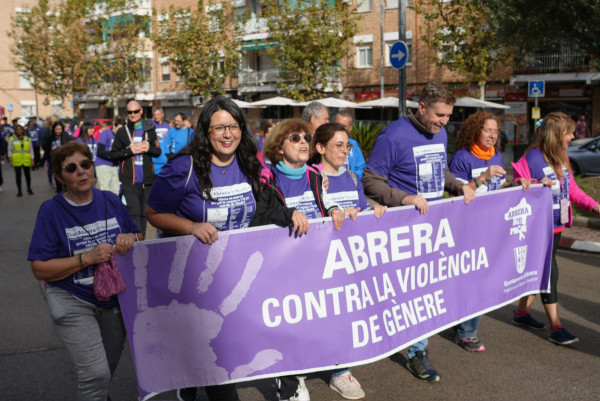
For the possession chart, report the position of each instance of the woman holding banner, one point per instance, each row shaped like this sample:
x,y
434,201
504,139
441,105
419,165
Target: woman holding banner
x,y
74,233
478,163
301,187
547,161
212,185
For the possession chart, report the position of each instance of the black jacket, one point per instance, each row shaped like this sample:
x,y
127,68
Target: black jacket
x,y
48,139
120,152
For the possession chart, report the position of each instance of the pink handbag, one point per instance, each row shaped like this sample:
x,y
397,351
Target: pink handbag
x,y
108,280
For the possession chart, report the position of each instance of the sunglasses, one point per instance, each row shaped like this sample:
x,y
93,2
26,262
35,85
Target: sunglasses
x,y
72,167
296,138
133,111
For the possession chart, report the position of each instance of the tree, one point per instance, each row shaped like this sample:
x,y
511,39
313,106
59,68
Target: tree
x,y
81,45
309,39
464,36
200,45
546,26
49,47
117,40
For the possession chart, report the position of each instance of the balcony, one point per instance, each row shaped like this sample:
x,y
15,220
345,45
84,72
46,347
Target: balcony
x,y
258,78
540,63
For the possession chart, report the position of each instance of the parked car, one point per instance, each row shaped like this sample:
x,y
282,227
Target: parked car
x,y
585,156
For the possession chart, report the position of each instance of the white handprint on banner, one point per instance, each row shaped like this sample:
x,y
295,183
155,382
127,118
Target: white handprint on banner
x,y
178,336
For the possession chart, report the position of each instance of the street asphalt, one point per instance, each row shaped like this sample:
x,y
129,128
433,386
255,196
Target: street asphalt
x,y
518,364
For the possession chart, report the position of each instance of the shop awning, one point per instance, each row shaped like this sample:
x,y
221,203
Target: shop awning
x,y
586,77
173,95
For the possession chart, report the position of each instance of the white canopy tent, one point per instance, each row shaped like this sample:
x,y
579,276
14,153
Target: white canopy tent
x,y
392,102
276,101
484,104
246,105
338,103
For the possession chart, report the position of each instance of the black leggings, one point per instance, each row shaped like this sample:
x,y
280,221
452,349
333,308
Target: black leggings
x,y
552,296
27,172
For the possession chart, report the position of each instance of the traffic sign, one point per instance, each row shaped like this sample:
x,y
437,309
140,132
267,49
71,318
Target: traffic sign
x,y
537,89
10,107
398,55
536,113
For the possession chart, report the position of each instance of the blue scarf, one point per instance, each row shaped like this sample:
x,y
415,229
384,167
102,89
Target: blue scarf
x,y
292,173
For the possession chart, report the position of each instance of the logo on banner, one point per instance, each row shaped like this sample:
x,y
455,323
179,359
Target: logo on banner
x,y
520,258
518,215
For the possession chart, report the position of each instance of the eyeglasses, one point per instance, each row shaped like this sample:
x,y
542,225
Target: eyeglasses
x,y
133,111
491,131
342,145
219,129
296,138
85,164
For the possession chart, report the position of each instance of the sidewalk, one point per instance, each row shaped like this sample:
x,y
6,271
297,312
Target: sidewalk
x,y
584,235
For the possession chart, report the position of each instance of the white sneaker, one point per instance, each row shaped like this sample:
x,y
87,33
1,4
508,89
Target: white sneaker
x,y
347,386
301,393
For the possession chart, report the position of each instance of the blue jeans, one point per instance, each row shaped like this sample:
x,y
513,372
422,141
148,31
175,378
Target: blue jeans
x,y
468,328
93,336
418,346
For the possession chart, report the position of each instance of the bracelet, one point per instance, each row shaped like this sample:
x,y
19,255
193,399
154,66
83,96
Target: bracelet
x,y
476,182
81,262
136,237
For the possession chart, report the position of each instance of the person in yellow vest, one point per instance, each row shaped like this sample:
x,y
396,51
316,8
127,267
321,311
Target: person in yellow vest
x,y
20,156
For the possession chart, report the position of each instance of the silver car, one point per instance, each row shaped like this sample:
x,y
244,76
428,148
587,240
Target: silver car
x,y
585,156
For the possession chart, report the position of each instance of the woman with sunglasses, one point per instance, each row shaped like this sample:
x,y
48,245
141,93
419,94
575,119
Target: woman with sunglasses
x,y
300,187
214,184
478,163
74,232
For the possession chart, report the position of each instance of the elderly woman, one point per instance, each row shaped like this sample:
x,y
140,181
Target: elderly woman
x,y
213,185
547,161
74,232
478,163
301,188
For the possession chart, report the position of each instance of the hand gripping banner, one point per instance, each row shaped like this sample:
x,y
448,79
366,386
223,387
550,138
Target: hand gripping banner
x,y
262,303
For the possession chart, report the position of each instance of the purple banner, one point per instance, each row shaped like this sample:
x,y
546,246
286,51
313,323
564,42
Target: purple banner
x,y
261,303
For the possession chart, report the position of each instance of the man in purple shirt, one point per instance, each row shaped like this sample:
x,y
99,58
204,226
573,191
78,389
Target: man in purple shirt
x,y
106,168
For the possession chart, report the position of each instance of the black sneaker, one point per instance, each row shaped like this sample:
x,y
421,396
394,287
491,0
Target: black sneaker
x,y
29,191
562,337
186,394
527,321
19,194
471,344
420,366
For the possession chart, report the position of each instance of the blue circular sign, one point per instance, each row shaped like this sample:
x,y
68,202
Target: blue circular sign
x,y
398,55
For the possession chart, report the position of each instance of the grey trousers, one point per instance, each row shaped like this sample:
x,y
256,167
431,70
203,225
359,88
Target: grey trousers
x,y
93,336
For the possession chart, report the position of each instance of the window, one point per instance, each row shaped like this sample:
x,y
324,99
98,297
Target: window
x,y
24,81
364,56
364,6
165,72
391,4
27,108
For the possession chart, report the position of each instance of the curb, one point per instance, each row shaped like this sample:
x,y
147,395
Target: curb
x,y
587,222
578,245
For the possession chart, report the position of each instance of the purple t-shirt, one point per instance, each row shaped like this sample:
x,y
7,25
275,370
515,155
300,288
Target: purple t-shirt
x,y
343,191
466,167
560,190
93,145
412,161
298,194
106,137
235,203
58,235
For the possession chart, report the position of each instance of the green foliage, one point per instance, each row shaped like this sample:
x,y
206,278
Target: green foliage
x,y
365,134
80,45
464,34
200,46
312,37
535,25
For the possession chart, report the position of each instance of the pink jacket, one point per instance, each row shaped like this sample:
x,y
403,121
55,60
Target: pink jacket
x,y
576,194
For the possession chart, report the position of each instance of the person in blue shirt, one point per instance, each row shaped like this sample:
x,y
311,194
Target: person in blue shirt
x,y
355,160
179,136
161,127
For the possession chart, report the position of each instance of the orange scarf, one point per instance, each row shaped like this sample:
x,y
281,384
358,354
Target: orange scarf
x,y
483,153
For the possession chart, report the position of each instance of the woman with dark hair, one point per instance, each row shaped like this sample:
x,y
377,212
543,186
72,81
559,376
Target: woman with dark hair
x,y
58,136
86,135
76,231
547,161
478,163
20,156
212,185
